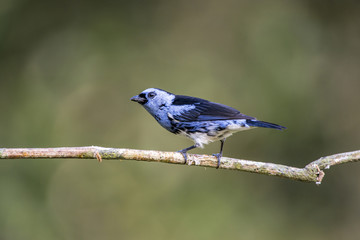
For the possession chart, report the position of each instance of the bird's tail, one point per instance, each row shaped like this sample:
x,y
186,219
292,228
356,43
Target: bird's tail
x,y
256,123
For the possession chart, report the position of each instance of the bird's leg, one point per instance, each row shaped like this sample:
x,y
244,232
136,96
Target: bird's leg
x,y
219,155
184,151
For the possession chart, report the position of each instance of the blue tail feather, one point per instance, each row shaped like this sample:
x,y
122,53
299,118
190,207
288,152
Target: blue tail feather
x,y
256,123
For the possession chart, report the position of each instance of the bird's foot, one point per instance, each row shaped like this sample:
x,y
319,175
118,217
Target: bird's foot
x,y
184,154
218,156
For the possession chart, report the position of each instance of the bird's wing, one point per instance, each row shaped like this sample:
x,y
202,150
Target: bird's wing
x,y
203,110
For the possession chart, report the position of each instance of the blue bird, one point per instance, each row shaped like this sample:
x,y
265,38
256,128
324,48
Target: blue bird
x,y
198,119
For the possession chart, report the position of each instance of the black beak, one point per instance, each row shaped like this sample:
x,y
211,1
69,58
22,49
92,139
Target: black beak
x,y
138,99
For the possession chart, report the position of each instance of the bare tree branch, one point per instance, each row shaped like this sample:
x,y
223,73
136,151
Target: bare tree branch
x,y
310,173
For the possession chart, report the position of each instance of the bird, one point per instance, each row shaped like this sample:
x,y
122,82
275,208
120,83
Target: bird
x,y
200,120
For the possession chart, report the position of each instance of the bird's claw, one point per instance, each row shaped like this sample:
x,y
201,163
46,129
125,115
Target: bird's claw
x,y
184,154
218,156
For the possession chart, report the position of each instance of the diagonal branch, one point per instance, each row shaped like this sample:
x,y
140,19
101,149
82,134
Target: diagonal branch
x,y
310,173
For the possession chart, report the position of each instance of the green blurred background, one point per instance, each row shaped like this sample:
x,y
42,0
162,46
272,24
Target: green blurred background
x,y
69,68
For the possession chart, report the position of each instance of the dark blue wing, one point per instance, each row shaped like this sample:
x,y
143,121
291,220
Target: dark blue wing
x,y
205,110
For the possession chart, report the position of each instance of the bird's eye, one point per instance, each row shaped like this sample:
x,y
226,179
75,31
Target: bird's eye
x,y
151,94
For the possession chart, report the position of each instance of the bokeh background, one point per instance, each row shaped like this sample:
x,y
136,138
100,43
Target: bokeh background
x,y
69,68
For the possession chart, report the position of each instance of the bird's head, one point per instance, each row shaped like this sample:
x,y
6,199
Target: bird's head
x,y
154,99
